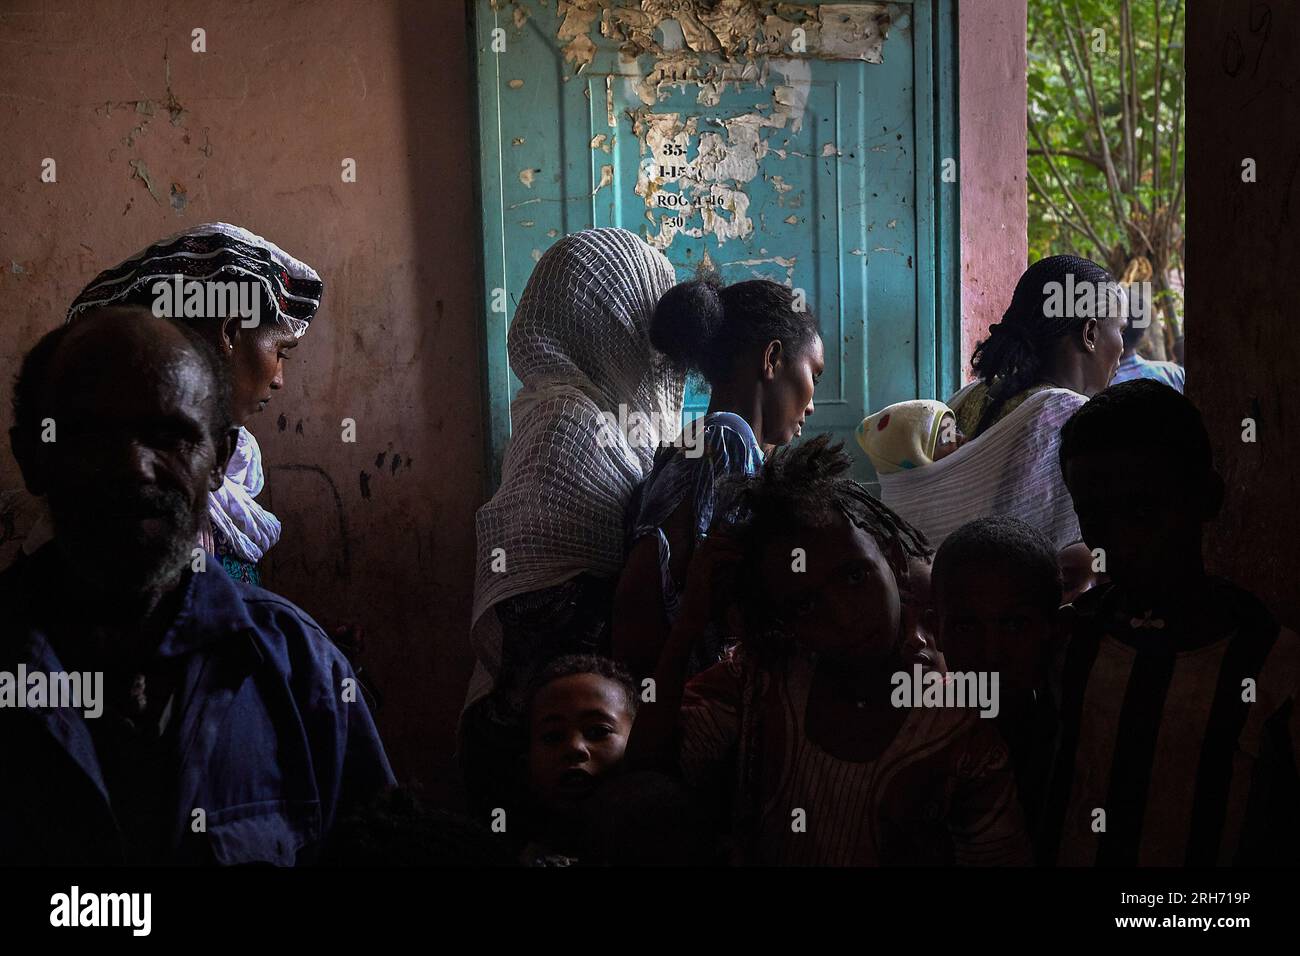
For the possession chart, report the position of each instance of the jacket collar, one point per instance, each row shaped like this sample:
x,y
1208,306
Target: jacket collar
x,y
212,605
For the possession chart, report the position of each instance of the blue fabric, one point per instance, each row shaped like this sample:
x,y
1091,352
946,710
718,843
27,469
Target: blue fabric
x,y
265,744
238,569
729,448
1135,366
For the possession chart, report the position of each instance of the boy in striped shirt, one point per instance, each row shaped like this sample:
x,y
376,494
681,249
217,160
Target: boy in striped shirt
x,y
1177,689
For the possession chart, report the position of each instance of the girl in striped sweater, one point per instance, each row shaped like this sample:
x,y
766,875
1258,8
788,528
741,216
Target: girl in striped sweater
x,y
794,738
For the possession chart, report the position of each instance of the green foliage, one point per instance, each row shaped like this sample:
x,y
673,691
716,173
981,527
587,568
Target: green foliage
x,y
1107,76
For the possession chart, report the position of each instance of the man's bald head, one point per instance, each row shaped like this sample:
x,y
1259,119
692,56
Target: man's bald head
x,y
117,341
123,423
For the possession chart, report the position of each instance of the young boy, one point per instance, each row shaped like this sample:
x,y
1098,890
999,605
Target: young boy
x,y
909,435
580,714
1177,690
824,768
995,595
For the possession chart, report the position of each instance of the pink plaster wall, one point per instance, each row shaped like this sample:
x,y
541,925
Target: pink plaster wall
x,y
991,131
284,92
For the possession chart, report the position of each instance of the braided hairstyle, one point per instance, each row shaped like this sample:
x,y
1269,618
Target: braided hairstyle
x,y
1016,354
808,486
702,325
802,486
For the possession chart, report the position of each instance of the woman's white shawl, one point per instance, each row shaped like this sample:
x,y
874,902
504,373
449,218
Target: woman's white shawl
x,y
1011,469
580,346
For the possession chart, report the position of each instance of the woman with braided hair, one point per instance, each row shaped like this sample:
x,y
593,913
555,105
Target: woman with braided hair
x,y
1063,329
799,727
1058,343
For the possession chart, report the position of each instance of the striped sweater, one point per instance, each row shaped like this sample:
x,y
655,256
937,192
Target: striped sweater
x,y
1178,742
942,791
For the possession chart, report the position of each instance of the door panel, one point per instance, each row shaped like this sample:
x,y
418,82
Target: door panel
x,y
712,137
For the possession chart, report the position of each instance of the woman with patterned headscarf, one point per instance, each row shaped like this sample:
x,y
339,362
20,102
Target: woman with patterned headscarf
x,y
595,403
284,295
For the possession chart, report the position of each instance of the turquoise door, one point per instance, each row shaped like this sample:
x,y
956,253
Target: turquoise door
x,y
800,143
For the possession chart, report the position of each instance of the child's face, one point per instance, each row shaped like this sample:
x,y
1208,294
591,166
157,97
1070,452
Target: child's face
x,y
578,731
986,620
1142,511
837,596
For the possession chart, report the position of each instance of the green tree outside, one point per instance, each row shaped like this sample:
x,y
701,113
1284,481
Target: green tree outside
x,y
1105,165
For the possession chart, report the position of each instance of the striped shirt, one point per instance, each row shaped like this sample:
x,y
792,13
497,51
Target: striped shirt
x,y
941,792
1175,751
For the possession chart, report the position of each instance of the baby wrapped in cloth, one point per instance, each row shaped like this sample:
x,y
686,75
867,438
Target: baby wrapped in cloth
x,y
1012,468
909,435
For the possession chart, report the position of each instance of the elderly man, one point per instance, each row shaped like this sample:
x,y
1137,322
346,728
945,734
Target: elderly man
x,y
230,729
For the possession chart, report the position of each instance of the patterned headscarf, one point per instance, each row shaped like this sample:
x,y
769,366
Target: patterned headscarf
x,y
904,435
212,252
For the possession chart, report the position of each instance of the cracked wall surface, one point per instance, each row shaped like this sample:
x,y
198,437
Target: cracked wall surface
x,y
150,137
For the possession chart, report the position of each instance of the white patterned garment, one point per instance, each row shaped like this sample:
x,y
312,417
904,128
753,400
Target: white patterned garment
x,y
250,528
580,346
1011,469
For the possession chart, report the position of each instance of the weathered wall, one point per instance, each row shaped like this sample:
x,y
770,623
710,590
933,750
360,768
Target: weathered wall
x,y
1243,341
379,532
992,131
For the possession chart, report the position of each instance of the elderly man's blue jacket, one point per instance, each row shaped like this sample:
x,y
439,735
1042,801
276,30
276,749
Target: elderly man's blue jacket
x,y
274,742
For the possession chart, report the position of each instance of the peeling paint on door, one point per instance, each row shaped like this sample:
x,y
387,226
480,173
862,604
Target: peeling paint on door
x,y
755,133
710,47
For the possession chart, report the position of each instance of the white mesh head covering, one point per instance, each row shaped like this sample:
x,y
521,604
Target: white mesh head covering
x,y
580,345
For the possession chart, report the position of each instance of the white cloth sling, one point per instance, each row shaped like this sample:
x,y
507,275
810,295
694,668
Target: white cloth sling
x,y
1011,469
580,346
